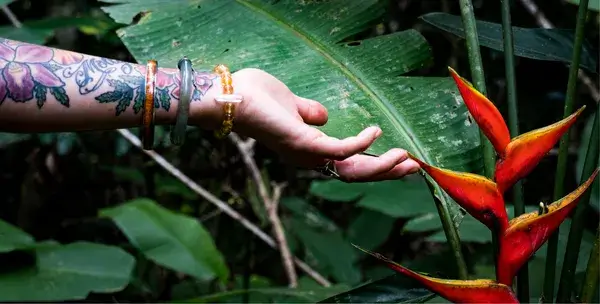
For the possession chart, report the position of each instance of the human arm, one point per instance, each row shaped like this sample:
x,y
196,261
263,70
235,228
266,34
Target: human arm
x,y
45,89
49,90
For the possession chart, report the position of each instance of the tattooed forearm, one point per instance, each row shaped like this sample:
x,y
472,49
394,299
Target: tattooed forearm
x,y
41,74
